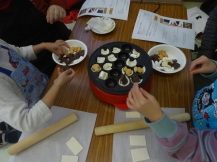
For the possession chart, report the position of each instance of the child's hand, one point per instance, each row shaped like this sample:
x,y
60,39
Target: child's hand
x,y
202,65
55,13
143,102
57,47
64,77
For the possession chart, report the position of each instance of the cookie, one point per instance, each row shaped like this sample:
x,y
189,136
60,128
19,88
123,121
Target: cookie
x,y
74,49
95,68
127,71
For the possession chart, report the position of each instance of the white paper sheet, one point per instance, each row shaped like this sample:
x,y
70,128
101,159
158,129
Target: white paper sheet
x,y
121,141
53,147
153,27
198,17
117,9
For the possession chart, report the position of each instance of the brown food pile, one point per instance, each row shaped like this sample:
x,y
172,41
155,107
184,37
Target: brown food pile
x,y
69,58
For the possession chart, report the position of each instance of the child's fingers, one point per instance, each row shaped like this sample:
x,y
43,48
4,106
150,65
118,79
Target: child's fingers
x,y
145,93
58,52
70,72
59,70
129,105
63,43
136,93
130,97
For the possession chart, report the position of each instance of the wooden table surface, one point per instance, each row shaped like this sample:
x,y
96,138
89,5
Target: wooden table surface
x,y
171,90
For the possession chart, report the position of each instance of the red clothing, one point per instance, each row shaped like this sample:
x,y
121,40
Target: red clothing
x,y
5,5
42,5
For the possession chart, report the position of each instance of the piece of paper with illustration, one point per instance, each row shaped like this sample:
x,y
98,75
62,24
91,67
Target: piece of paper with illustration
x,y
204,109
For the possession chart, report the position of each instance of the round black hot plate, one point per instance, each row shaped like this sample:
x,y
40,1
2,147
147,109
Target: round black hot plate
x,y
111,78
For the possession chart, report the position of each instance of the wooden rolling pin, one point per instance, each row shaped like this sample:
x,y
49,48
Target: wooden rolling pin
x,y
134,125
38,136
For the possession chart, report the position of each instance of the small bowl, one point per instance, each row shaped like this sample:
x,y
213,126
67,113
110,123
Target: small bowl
x,y
109,30
72,43
173,53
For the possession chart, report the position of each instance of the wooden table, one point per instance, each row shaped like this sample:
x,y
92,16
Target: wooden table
x,y
172,90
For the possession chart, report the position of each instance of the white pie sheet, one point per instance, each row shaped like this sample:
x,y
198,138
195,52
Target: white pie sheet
x,y
74,146
140,154
133,114
137,140
67,158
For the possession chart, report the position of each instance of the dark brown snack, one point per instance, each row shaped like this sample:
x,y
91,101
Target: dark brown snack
x,y
123,80
61,59
81,52
174,64
135,78
155,57
68,59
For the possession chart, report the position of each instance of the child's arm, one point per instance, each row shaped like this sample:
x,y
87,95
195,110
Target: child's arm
x,y
63,78
15,111
184,144
30,52
53,47
193,145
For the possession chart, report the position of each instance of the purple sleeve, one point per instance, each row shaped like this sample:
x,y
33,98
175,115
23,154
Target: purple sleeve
x,y
183,144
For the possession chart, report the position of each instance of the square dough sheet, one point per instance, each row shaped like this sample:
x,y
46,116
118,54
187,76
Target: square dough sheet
x,y
74,146
133,114
140,154
137,140
67,158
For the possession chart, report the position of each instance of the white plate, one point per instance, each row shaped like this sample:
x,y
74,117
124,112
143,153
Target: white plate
x,y
173,53
108,31
72,43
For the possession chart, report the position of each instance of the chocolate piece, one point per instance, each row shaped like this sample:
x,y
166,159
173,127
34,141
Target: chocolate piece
x,y
135,78
154,57
69,58
61,59
174,64
123,80
77,55
81,52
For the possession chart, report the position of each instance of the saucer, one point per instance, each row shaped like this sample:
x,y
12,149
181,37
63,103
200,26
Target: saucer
x,y
106,31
